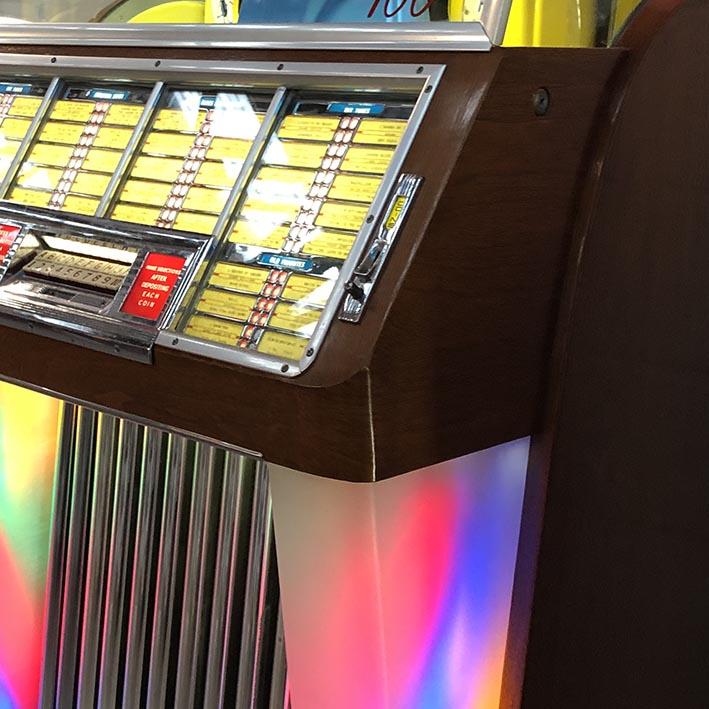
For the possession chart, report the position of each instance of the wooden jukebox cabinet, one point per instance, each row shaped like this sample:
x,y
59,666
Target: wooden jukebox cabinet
x,y
340,255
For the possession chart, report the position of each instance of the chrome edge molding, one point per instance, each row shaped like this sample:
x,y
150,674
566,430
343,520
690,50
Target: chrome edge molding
x,y
398,37
428,78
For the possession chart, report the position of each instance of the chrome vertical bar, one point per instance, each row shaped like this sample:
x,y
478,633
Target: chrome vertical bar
x,y
168,582
61,500
494,15
255,604
193,624
252,156
130,149
118,567
14,168
75,567
138,619
231,524
97,560
279,676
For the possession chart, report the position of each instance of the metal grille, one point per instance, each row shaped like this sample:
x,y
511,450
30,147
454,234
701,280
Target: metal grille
x,y
163,588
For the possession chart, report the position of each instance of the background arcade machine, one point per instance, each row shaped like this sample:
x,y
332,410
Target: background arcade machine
x,y
311,272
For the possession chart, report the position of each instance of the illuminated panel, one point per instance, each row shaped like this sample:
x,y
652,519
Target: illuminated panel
x,y
307,200
18,105
79,147
415,573
190,159
28,428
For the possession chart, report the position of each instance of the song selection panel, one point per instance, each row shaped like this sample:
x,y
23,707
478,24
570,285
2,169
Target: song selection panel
x,y
190,159
79,147
19,103
297,221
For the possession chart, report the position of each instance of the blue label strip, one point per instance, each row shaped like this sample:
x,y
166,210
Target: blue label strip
x,y
15,88
358,109
291,263
107,95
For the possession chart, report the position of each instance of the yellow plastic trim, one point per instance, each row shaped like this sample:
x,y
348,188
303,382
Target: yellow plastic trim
x,y
176,11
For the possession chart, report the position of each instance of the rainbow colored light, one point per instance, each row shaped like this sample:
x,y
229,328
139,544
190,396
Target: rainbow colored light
x,y
28,439
397,595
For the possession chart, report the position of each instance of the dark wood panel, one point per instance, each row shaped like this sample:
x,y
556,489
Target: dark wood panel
x,y
477,308
327,428
620,616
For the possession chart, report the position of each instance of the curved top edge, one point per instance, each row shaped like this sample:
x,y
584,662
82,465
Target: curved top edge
x,y
439,36
644,23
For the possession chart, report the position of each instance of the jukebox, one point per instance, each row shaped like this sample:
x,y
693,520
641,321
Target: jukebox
x,y
306,293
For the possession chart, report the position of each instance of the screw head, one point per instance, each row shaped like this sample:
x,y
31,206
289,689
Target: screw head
x,y
310,352
285,368
541,99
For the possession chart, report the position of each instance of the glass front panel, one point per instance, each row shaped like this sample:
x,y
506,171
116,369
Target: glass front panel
x,y
308,197
190,159
78,148
19,102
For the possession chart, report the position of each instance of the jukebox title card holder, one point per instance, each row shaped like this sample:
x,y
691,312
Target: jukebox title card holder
x,y
297,206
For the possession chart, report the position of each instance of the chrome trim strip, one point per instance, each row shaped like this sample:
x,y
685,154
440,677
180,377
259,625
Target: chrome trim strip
x,y
140,599
130,149
398,37
168,580
193,627
61,501
119,560
279,676
97,563
251,74
494,15
75,568
232,530
14,168
260,551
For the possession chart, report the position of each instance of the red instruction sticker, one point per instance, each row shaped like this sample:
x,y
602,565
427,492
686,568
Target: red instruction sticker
x,y
153,286
8,234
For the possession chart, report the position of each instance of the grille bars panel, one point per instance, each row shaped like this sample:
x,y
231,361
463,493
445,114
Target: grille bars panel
x,y
162,580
